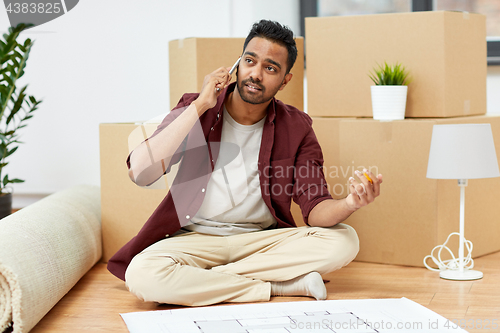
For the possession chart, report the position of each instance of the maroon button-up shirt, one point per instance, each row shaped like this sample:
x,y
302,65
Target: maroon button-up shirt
x,y
290,166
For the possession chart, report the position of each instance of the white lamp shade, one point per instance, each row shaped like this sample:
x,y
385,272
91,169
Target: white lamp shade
x,y
462,151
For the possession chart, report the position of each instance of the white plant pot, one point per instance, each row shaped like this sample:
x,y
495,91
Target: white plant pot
x,y
389,102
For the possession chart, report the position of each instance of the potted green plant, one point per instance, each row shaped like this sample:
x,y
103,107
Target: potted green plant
x,y
389,92
15,106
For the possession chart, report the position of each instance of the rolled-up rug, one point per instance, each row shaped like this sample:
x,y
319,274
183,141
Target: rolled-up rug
x,y
45,248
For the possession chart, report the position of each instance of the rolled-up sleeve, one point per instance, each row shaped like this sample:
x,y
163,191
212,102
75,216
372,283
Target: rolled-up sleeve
x,y
169,118
310,186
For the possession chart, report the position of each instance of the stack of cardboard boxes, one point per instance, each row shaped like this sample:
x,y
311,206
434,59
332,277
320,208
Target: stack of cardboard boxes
x,y
445,53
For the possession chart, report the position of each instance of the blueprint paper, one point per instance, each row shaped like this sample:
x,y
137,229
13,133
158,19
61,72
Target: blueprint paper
x,y
353,316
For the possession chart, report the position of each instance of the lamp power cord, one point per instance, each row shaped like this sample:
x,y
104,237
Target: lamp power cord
x,y
453,263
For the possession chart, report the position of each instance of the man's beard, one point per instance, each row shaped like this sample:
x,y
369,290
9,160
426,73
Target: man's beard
x,y
261,98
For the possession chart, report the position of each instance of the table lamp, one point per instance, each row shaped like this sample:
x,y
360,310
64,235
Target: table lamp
x,y
462,152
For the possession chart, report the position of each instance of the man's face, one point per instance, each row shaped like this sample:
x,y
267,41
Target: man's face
x,y
261,73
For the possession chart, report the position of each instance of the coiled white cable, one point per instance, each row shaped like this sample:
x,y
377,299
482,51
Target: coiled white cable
x,y
453,263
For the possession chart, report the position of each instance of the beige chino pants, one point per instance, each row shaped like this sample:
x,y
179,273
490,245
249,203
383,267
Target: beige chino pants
x,y
197,269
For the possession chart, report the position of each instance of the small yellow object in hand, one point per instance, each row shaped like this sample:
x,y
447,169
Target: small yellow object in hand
x,y
367,177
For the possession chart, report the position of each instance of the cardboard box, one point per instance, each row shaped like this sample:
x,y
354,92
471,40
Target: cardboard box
x,y
191,59
125,206
413,214
445,53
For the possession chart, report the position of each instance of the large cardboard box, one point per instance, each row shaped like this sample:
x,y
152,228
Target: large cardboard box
x,y
445,53
413,214
191,59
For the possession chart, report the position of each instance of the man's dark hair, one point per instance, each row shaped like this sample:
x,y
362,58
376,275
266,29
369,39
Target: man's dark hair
x,y
277,33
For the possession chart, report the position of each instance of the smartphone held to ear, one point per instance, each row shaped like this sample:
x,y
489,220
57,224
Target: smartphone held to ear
x,y
234,66
232,69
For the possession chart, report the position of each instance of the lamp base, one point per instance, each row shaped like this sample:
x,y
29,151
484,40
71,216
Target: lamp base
x,y
465,275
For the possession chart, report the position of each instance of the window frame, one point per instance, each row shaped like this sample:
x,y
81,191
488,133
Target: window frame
x,y
309,8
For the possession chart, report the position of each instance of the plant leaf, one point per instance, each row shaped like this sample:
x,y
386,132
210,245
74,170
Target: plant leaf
x,y
13,111
10,152
391,74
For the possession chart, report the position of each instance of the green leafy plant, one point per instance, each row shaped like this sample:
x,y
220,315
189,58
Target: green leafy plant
x,y
390,75
15,106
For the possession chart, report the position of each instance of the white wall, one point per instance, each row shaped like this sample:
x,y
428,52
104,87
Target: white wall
x,y
107,61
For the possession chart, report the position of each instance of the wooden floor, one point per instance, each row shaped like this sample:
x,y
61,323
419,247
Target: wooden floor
x,y
94,304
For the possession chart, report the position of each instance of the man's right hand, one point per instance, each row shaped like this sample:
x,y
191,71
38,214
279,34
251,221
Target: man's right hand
x,y
207,99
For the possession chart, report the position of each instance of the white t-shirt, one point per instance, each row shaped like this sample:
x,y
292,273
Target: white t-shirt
x,y
233,201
